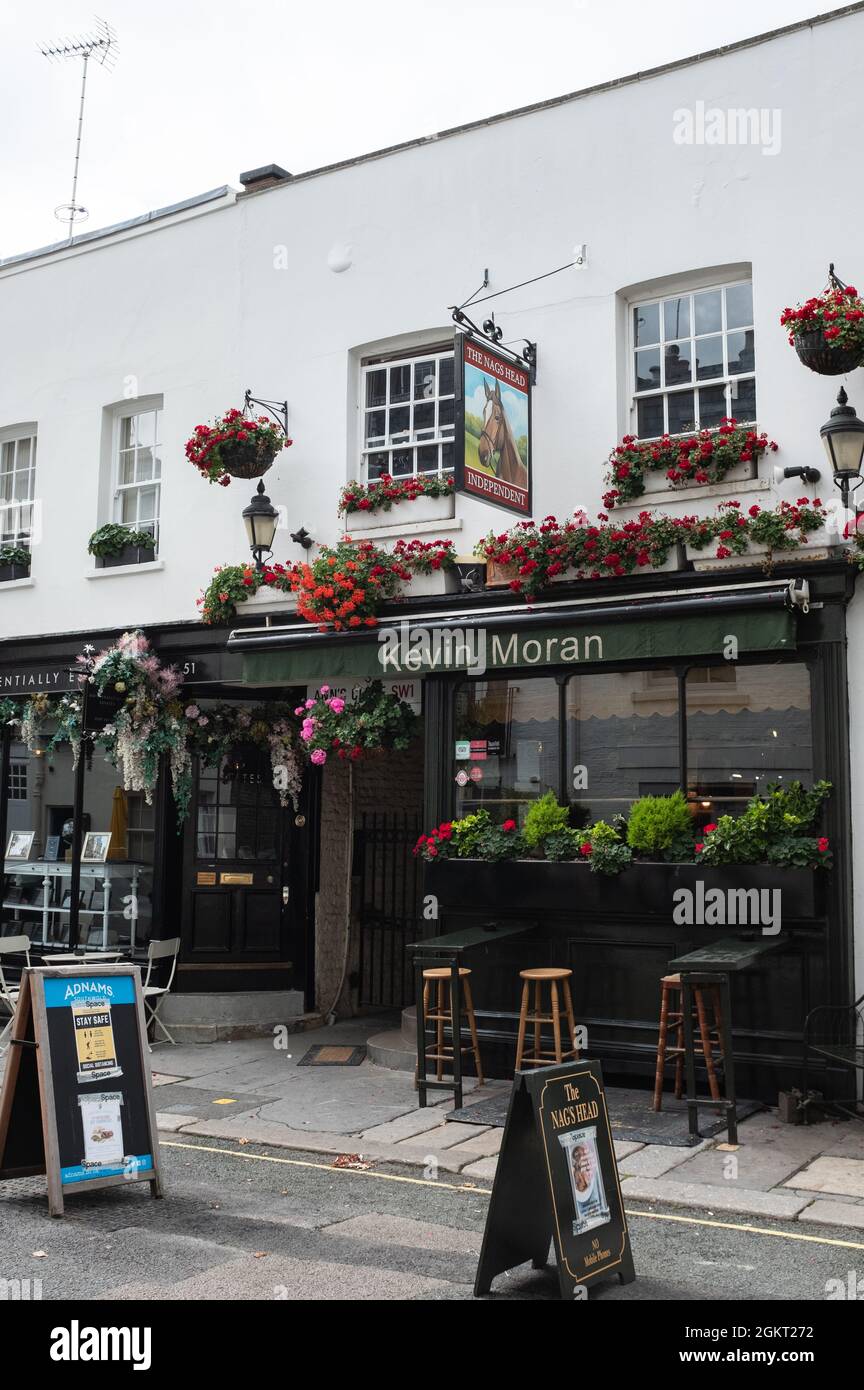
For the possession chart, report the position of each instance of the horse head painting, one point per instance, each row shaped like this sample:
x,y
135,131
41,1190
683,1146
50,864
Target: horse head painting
x,y
497,438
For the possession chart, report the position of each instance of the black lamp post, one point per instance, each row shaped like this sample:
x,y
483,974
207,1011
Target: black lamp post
x,y
843,438
260,519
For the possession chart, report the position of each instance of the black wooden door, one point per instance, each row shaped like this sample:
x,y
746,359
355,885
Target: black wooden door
x,y
237,878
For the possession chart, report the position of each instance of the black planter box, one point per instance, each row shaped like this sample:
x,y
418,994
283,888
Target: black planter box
x,y
530,886
8,572
129,555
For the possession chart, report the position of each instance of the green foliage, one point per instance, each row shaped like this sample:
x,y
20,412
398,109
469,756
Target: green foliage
x,y
660,824
545,817
773,829
111,539
563,844
610,858
14,555
496,843
467,832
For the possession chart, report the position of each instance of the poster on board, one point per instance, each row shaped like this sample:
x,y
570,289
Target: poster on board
x,y
77,1097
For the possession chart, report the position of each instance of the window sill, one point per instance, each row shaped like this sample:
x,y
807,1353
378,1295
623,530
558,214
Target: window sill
x,y
116,570
16,583
692,494
408,528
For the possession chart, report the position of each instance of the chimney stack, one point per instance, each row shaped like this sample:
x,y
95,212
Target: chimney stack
x,y
256,180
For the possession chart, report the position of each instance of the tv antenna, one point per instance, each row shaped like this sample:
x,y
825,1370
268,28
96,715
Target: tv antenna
x,y
101,46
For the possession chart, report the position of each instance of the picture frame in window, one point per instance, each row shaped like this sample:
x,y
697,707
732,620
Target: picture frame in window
x,y
67,898
20,844
95,847
52,848
97,900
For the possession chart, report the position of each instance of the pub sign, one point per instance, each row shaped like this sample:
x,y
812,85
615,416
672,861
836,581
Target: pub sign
x,y
493,425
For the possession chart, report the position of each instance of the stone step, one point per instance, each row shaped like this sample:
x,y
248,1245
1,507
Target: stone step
x,y
219,1017
389,1049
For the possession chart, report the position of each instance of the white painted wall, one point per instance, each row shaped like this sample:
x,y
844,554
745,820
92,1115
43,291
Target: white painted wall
x,y
194,309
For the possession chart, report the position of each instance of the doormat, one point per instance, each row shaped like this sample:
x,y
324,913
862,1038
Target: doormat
x,y
630,1114
330,1056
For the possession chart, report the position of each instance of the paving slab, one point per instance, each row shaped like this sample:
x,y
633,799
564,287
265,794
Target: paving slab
x,y
834,1214
729,1198
448,1135
653,1160
844,1176
407,1126
199,1102
759,1167
257,1131
296,1280
168,1124
484,1143
483,1169
846,1145
625,1147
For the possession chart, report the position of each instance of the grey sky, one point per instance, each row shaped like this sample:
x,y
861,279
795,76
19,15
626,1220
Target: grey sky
x,y
206,88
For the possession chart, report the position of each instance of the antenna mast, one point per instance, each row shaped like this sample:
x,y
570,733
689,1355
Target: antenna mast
x,y
101,46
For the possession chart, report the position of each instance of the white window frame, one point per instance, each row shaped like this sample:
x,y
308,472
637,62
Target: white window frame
x,y
18,787
406,441
148,406
727,380
17,515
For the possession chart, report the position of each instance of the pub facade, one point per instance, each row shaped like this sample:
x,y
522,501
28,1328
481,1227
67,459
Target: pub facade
x,y
633,298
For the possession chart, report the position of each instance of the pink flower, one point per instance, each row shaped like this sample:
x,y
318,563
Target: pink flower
x,y
299,710
310,704
337,704
192,711
325,690
319,757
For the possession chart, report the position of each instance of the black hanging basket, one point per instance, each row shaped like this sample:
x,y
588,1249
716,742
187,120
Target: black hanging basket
x,y
825,358
248,458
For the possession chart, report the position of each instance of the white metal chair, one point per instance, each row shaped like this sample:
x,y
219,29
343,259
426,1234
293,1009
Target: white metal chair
x,y
11,945
159,951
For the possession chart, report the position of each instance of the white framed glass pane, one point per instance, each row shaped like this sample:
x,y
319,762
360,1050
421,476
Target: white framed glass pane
x,y
126,467
376,387
445,415
739,306
376,425
712,406
676,318
447,458
399,422
424,380
677,367
400,383
646,324
427,459
707,311
402,463
744,399
649,417
648,369
709,357
681,412
742,357
148,504
424,418
143,465
446,368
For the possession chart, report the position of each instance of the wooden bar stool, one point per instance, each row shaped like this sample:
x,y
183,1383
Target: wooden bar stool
x,y
441,1015
538,1056
707,1037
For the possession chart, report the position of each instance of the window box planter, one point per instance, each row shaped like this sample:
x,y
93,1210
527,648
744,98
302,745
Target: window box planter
x,y
9,572
129,555
531,887
406,513
821,545
825,358
268,600
441,581
656,480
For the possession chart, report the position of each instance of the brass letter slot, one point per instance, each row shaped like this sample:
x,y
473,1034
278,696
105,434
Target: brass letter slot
x,y
205,880
237,878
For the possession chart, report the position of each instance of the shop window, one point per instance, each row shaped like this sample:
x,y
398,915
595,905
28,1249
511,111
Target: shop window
x,y
407,406
506,752
693,356
747,732
622,733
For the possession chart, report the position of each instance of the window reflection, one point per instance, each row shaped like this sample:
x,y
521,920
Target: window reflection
x,y
622,740
507,743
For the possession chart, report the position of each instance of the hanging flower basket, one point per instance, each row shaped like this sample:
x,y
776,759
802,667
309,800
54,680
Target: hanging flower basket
x,y
828,359
235,446
827,331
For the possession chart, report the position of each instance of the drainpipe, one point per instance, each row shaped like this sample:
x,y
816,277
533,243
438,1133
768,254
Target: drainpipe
x,y
330,1017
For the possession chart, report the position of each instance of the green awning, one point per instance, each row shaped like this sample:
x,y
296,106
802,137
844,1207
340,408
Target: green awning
x,y
415,651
